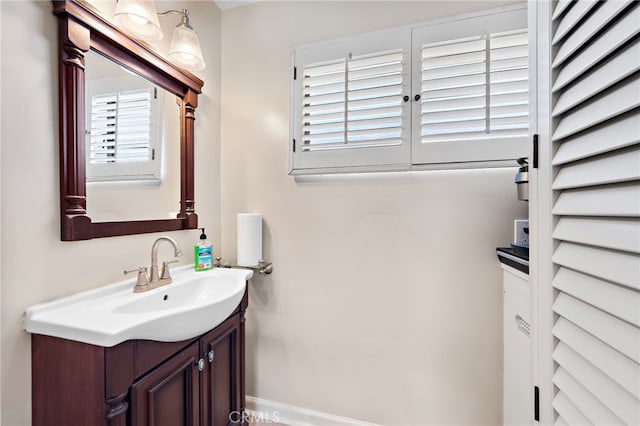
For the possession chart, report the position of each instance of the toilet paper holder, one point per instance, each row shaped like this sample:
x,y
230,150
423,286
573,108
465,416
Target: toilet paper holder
x,y
263,267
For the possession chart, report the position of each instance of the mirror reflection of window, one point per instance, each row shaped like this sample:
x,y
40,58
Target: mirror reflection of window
x,y
132,145
120,127
124,125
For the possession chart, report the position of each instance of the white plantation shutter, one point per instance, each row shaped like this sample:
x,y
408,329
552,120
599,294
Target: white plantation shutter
x,y
596,141
348,102
368,114
472,79
508,85
454,90
120,128
474,89
102,127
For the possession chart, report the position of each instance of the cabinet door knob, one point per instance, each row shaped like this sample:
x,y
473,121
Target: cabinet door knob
x,y
211,355
417,97
200,364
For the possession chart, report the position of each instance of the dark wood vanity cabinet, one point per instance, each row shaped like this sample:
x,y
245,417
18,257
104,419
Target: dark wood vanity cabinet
x,y
197,382
170,394
223,391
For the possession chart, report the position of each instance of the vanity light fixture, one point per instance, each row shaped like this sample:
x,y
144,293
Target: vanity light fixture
x,y
140,19
185,45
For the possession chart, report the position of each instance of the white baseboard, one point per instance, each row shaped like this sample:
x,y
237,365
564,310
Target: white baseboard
x,y
265,411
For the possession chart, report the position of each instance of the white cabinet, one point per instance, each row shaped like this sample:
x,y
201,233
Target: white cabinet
x,y
517,389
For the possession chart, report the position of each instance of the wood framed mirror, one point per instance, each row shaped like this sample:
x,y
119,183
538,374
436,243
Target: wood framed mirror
x,y
83,29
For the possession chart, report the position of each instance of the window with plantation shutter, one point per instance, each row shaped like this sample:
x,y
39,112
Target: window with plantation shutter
x,y
123,130
348,108
448,94
472,78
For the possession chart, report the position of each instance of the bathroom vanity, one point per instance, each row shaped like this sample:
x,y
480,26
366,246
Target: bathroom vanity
x,y
198,381
169,356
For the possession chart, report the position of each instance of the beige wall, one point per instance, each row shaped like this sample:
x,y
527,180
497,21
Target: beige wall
x,y
36,265
385,301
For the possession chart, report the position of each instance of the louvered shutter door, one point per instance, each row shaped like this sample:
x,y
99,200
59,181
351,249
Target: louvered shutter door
x,y
472,76
596,145
348,102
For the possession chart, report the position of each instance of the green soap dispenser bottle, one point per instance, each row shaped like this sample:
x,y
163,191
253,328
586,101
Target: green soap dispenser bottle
x,y
203,253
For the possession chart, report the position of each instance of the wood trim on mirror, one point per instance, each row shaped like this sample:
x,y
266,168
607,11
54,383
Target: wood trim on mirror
x,y
82,28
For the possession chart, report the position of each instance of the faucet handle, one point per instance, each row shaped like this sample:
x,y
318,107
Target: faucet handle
x,y
166,274
142,283
219,263
139,270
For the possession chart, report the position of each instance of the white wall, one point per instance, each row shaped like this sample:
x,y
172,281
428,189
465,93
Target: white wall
x,y
36,265
385,300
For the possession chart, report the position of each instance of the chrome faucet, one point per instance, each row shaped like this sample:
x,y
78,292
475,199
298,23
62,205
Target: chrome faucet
x,y
154,277
147,281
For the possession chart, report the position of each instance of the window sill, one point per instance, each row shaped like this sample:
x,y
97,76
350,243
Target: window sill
x,y
403,168
125,180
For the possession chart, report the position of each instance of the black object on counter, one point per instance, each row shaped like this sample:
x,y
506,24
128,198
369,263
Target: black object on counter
x,y
515,256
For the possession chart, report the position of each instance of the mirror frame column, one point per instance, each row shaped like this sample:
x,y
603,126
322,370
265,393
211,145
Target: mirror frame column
x,y
74,44
188,118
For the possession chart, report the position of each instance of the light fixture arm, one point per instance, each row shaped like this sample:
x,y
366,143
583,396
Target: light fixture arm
x,y
184,13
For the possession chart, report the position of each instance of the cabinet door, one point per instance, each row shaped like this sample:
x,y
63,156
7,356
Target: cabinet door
x,y
169,395
221,381
517,400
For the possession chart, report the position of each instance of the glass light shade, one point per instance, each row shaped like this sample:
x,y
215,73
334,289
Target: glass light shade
x,y
138,18
185,49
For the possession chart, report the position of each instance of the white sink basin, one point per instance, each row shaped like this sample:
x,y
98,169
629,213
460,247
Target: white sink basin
x,y
194,303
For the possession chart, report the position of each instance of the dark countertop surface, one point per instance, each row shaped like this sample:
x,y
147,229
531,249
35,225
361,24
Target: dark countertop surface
x,y
514,256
